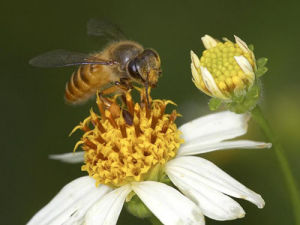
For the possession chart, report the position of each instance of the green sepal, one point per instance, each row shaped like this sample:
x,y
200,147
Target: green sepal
x,y
244,103
166,180
137,208
251,47
155,173
261,71
214,103
155,221
261,62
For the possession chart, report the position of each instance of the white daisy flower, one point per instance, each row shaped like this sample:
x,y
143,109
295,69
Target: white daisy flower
x,y
130,151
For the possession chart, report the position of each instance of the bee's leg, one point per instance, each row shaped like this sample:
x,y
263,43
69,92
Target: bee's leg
x,y
124,84
107,103
117,88
110,88
128,111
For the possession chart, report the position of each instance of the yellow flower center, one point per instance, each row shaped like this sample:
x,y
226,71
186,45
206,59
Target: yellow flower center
x,y
220,62
129,143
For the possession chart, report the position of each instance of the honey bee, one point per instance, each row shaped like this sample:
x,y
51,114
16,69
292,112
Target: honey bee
x,y
114,69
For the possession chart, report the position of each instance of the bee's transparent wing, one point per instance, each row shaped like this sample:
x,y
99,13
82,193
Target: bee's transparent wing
x,y
106,29
61,58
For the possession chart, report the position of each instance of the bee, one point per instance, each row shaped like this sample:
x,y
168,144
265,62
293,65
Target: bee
x,y
112,70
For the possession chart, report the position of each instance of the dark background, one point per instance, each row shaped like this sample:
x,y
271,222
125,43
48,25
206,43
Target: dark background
x,y
36,121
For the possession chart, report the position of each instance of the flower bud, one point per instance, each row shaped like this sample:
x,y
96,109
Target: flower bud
x,y
226,72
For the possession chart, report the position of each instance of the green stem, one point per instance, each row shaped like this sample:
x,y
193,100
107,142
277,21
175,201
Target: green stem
x,y
259,118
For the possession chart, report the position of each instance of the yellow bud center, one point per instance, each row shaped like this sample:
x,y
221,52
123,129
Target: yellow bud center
x,y
129,143
220,62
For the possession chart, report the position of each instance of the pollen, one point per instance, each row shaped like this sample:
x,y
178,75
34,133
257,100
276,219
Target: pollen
x,y
220,62
128,141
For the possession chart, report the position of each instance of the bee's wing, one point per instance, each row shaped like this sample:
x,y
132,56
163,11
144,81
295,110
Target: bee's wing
x,y
106,29
61,57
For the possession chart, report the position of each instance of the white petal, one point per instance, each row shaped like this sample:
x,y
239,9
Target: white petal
x,y
71,203
107,209
196,79
215,127
195,60
245,66
209,42
196,75
210,83
242,44
195,67
72,157
168,204
214,177
197,147
213,204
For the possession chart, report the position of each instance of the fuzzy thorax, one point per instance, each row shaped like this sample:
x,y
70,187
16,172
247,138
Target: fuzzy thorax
x,y
128,143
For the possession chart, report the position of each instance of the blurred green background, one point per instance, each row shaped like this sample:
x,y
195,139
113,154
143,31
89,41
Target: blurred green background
x,y
36,121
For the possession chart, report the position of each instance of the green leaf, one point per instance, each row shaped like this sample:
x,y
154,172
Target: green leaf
x,y
251,47
261,62
261,71
214,104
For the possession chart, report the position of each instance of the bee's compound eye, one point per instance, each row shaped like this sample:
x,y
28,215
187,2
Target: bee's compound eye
x,y
133,70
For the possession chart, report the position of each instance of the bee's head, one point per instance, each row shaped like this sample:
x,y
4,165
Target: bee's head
x,y
145,68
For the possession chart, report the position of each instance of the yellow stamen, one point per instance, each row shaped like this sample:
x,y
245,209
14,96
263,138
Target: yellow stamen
x,y
129,103
126,144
